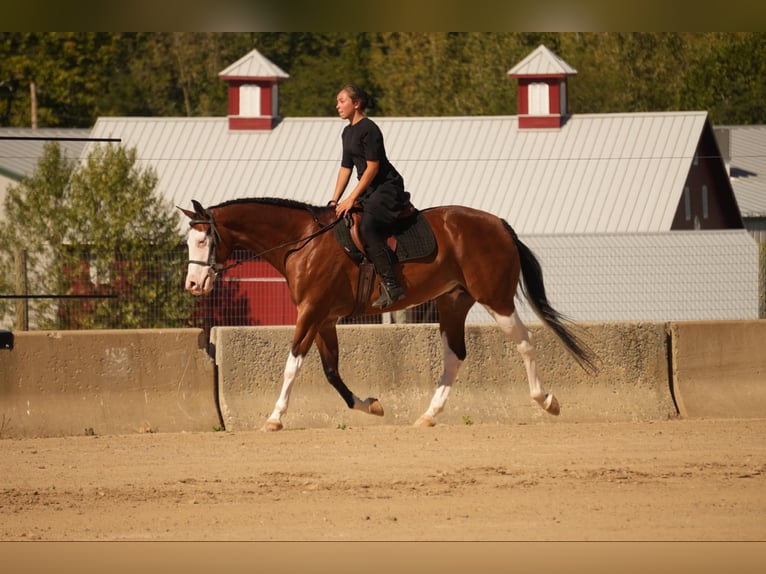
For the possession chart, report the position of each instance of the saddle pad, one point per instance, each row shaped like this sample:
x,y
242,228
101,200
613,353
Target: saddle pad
x,y
414,239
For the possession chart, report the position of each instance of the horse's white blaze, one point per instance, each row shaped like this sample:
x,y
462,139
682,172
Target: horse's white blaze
x,y
199,278
292,368
451,368
525,343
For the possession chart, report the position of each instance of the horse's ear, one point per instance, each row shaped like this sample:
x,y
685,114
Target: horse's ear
x,y
198,208
187,213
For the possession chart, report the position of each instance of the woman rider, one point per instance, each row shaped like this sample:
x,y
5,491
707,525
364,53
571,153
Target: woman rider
x,y
380,189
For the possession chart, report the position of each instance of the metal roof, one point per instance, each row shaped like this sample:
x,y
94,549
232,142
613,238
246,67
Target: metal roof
x,y
598,173
746,155
19,158
669,276
542,62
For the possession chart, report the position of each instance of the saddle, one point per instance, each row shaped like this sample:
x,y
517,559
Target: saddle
x,y
411,238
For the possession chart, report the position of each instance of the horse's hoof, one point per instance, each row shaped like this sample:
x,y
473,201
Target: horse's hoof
x,y
375,407
272,426
425,421
551,405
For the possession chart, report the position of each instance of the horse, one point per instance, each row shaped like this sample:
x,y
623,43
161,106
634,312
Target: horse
x,y
478,258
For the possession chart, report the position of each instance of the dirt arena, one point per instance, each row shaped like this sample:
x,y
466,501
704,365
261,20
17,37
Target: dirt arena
x,y
677,480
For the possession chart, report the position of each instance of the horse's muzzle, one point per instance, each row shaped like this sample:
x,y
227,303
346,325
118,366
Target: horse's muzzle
x,y
204,286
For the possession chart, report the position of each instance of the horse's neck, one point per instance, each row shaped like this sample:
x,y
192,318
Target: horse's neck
x,y
260,228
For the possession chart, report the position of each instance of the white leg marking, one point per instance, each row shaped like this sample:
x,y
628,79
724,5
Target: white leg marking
x,y
292,368
451,367
525,343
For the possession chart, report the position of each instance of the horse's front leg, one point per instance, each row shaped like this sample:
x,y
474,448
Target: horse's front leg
x,y
292,368
303,338
327,344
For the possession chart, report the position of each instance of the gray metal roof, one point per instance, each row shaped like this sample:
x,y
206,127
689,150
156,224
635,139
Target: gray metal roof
x,y
746,155
670,276
18,158
599,173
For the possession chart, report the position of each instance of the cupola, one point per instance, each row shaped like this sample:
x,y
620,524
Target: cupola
x,y
542,91
253,92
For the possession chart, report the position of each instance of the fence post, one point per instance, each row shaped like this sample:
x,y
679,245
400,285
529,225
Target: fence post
x,y
22,288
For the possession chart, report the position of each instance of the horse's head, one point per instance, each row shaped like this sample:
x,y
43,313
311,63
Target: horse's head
x,y
205,250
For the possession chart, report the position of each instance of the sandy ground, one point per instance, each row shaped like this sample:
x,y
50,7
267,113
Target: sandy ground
x,y
677,480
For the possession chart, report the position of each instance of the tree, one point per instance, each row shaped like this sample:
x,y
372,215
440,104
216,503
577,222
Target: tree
x,y
730,81
33,211
98,227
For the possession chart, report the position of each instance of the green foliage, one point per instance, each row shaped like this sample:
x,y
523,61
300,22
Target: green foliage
x,y
83,75
730,80
36,222
97,227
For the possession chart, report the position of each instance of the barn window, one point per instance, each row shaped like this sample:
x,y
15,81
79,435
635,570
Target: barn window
x,y
249,101
538,99
704,202
687,204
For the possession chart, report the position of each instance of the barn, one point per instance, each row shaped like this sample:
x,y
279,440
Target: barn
x,y
632,215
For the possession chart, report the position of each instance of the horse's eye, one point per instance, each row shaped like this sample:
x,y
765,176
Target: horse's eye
x,y
202,242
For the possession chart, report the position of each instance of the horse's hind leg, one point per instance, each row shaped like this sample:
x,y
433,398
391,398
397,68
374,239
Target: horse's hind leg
x,y
525,343
327,344
453,309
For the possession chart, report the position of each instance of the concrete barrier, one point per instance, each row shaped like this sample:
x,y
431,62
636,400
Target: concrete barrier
x,y
112,382
106,382
719,368
401,365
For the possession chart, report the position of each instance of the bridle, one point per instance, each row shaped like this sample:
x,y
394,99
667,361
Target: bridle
x,y
214,268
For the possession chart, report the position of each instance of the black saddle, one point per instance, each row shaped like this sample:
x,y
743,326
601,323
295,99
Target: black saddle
x,y
411,237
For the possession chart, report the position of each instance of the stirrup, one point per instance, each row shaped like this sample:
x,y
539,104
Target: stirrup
x,y
388,297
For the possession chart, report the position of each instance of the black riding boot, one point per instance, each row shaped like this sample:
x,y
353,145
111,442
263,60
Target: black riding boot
x,y
391,290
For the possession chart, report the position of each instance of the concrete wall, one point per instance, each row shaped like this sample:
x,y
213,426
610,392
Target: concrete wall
x,y
401,366
58,383
111,382
719,369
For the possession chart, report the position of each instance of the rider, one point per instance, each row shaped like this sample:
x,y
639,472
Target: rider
x,y
380,189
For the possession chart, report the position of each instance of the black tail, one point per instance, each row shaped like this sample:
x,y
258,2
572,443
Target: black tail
x,y
533,289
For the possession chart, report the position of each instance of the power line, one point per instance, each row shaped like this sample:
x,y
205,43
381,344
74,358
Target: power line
x,y
59,139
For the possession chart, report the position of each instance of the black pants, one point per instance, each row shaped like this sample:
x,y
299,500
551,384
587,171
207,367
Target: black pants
x,y
381,208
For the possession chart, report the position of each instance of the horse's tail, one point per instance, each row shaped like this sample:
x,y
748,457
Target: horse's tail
x,y
533,289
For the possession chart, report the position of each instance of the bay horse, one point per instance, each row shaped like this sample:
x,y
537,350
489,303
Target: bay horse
x,y
478,257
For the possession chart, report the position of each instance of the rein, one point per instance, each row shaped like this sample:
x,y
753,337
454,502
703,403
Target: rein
x,y
217,268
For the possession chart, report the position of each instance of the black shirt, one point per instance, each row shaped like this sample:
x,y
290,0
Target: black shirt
x,y
363,142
